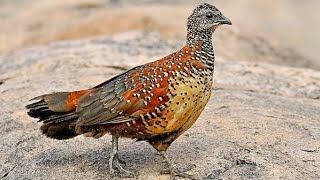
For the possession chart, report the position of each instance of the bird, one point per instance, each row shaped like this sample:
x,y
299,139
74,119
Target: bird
x,y
155,102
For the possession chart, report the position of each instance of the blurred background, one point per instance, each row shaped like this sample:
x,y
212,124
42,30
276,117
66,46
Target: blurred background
x,y
282,32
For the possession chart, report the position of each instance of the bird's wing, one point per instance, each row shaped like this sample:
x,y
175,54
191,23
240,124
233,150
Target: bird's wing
x,y
106,103
123,98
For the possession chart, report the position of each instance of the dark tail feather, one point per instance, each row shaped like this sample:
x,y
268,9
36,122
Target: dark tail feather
x,y
39,110
60,131
57,125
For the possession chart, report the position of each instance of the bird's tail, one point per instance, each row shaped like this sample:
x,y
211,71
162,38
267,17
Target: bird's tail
x,y
57,112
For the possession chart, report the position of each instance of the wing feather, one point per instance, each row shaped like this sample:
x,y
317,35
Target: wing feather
x,y
106,103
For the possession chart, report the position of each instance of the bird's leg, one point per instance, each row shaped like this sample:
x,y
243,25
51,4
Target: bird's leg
x,y
117,155
115,162
173,170
170,165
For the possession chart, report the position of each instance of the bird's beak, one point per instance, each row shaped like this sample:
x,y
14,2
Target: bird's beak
x,y
224,20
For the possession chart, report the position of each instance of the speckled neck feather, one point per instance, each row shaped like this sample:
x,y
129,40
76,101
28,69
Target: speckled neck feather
x,y
203,39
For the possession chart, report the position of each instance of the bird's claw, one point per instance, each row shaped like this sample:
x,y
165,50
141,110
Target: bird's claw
x,y
115,164
180,172
122,172
120,161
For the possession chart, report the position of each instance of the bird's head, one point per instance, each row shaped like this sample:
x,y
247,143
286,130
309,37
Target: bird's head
x,y
206,17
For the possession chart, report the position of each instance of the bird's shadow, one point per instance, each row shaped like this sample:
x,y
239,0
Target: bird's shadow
x,y
95,156
139,156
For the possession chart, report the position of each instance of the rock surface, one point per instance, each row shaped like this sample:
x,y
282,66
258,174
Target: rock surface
x,y
262,122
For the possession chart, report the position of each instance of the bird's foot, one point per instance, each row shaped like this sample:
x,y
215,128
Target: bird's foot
x,y
116,167
174,172
122,162
122,172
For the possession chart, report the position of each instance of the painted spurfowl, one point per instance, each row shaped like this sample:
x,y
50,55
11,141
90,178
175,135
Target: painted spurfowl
x,y
155,102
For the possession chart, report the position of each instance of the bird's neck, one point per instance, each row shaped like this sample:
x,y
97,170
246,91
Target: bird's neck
x,y
205,54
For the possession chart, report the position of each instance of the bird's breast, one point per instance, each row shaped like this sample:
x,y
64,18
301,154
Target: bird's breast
x,y
187,99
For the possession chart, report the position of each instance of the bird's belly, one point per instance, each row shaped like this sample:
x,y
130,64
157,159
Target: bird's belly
x,y
185,106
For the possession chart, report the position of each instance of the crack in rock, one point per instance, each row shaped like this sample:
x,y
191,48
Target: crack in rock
x,y
216,174
7,173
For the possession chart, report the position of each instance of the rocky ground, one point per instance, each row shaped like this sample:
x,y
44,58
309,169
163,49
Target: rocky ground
x,y
262,122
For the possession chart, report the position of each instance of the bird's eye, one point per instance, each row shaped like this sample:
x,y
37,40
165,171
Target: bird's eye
x,y
209,15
